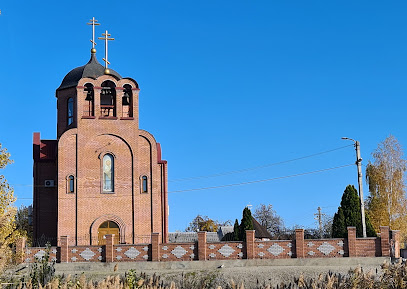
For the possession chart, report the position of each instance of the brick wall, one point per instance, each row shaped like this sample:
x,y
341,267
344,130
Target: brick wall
x,y
230,250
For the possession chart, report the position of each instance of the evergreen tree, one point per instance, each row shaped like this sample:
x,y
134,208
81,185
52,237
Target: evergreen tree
x,y
338,225
246,223
236,235
349,215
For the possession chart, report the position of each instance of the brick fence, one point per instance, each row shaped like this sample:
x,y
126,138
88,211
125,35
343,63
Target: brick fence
x,y
385,245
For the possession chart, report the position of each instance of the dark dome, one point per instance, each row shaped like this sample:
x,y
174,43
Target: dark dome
x,y
93,69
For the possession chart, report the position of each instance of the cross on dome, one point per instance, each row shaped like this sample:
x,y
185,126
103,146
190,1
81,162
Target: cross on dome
x,y
106,38
93,23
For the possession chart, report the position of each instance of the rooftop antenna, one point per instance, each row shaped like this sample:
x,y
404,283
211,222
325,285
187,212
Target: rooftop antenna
x,y
106,38
93,23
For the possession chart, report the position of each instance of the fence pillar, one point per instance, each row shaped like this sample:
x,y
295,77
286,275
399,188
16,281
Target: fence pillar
x,y
385,240
155,247
395,243
299,243
109,256
250,235
64,242
352,241
20,246
202,245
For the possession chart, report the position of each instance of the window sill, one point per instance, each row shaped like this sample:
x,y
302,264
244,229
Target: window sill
x,y
127,118
108,193
88,117
107,117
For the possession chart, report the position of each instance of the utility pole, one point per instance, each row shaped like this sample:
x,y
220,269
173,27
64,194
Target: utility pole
x,y
360,183
318,217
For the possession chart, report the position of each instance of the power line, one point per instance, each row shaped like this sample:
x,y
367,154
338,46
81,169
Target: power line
x,y
224,186
257,167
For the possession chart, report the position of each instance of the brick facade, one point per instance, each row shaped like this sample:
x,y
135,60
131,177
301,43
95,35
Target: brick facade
x,y
78,153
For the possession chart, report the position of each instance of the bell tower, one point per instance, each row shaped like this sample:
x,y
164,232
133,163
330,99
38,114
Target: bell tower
x,y
108,171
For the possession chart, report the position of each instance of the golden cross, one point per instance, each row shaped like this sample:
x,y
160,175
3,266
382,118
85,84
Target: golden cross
x,y
93,23
106,38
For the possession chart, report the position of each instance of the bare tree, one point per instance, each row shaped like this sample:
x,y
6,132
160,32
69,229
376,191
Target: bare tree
x,y
269,219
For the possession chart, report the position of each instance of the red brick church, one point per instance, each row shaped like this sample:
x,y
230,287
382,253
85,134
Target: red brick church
x,y
102,175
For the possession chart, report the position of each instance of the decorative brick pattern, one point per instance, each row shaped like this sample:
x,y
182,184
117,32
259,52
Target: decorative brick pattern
x,y
179,252
273,249
33,253
323,248
131,253
86,254
225,251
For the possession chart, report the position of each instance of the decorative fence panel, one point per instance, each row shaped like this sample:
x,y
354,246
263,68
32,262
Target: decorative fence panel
x,y
86,254
322,248
37,253
225,251
126,253
273,249
179,252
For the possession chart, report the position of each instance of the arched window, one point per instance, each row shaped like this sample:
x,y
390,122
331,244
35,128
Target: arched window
x,y
144,184
108,100
127,101
71,184
70,111
88,109
108,173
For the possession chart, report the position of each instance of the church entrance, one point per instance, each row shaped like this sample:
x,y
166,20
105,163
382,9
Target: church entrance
x,y
108,228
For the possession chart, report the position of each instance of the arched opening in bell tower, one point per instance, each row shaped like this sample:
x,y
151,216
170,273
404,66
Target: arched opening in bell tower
x,y
108,99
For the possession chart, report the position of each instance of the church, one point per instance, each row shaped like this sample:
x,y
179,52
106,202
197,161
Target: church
x,y
103,174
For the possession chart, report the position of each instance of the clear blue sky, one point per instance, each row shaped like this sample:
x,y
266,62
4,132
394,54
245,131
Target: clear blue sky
x,y
225,86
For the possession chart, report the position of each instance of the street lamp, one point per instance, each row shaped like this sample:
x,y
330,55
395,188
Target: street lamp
x,y
360,183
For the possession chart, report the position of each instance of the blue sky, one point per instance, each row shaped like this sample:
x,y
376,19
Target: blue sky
x,y
225,86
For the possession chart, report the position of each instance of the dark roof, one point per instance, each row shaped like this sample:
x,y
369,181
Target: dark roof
x,y
261,232
92,69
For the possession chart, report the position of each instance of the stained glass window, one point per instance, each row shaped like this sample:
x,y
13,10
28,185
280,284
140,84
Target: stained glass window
x,y
108,173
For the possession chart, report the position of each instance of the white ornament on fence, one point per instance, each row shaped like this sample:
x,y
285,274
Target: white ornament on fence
x,y
326,248
275,249
132,253
179,252
87,254
226,250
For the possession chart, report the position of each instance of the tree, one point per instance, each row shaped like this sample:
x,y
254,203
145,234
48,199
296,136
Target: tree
x,y
8,233
236,234
349,215
246,223
387,204
204,223
22,223
269,219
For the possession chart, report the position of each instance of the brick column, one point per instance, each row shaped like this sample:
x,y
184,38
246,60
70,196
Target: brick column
x,y
64,241
385,240
201,246
155,247
299,243
352,241
395,243
20,246
250,244
109,256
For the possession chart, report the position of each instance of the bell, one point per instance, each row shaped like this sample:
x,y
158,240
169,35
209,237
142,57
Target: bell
x,y
126,98
89,96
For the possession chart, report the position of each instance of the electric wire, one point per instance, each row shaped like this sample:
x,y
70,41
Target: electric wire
x,y
257,167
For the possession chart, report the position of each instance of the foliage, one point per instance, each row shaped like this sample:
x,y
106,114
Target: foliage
x,y
236,234
246,223
8,233
22,223
269,219
204,223
42,270
387,203
349,215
